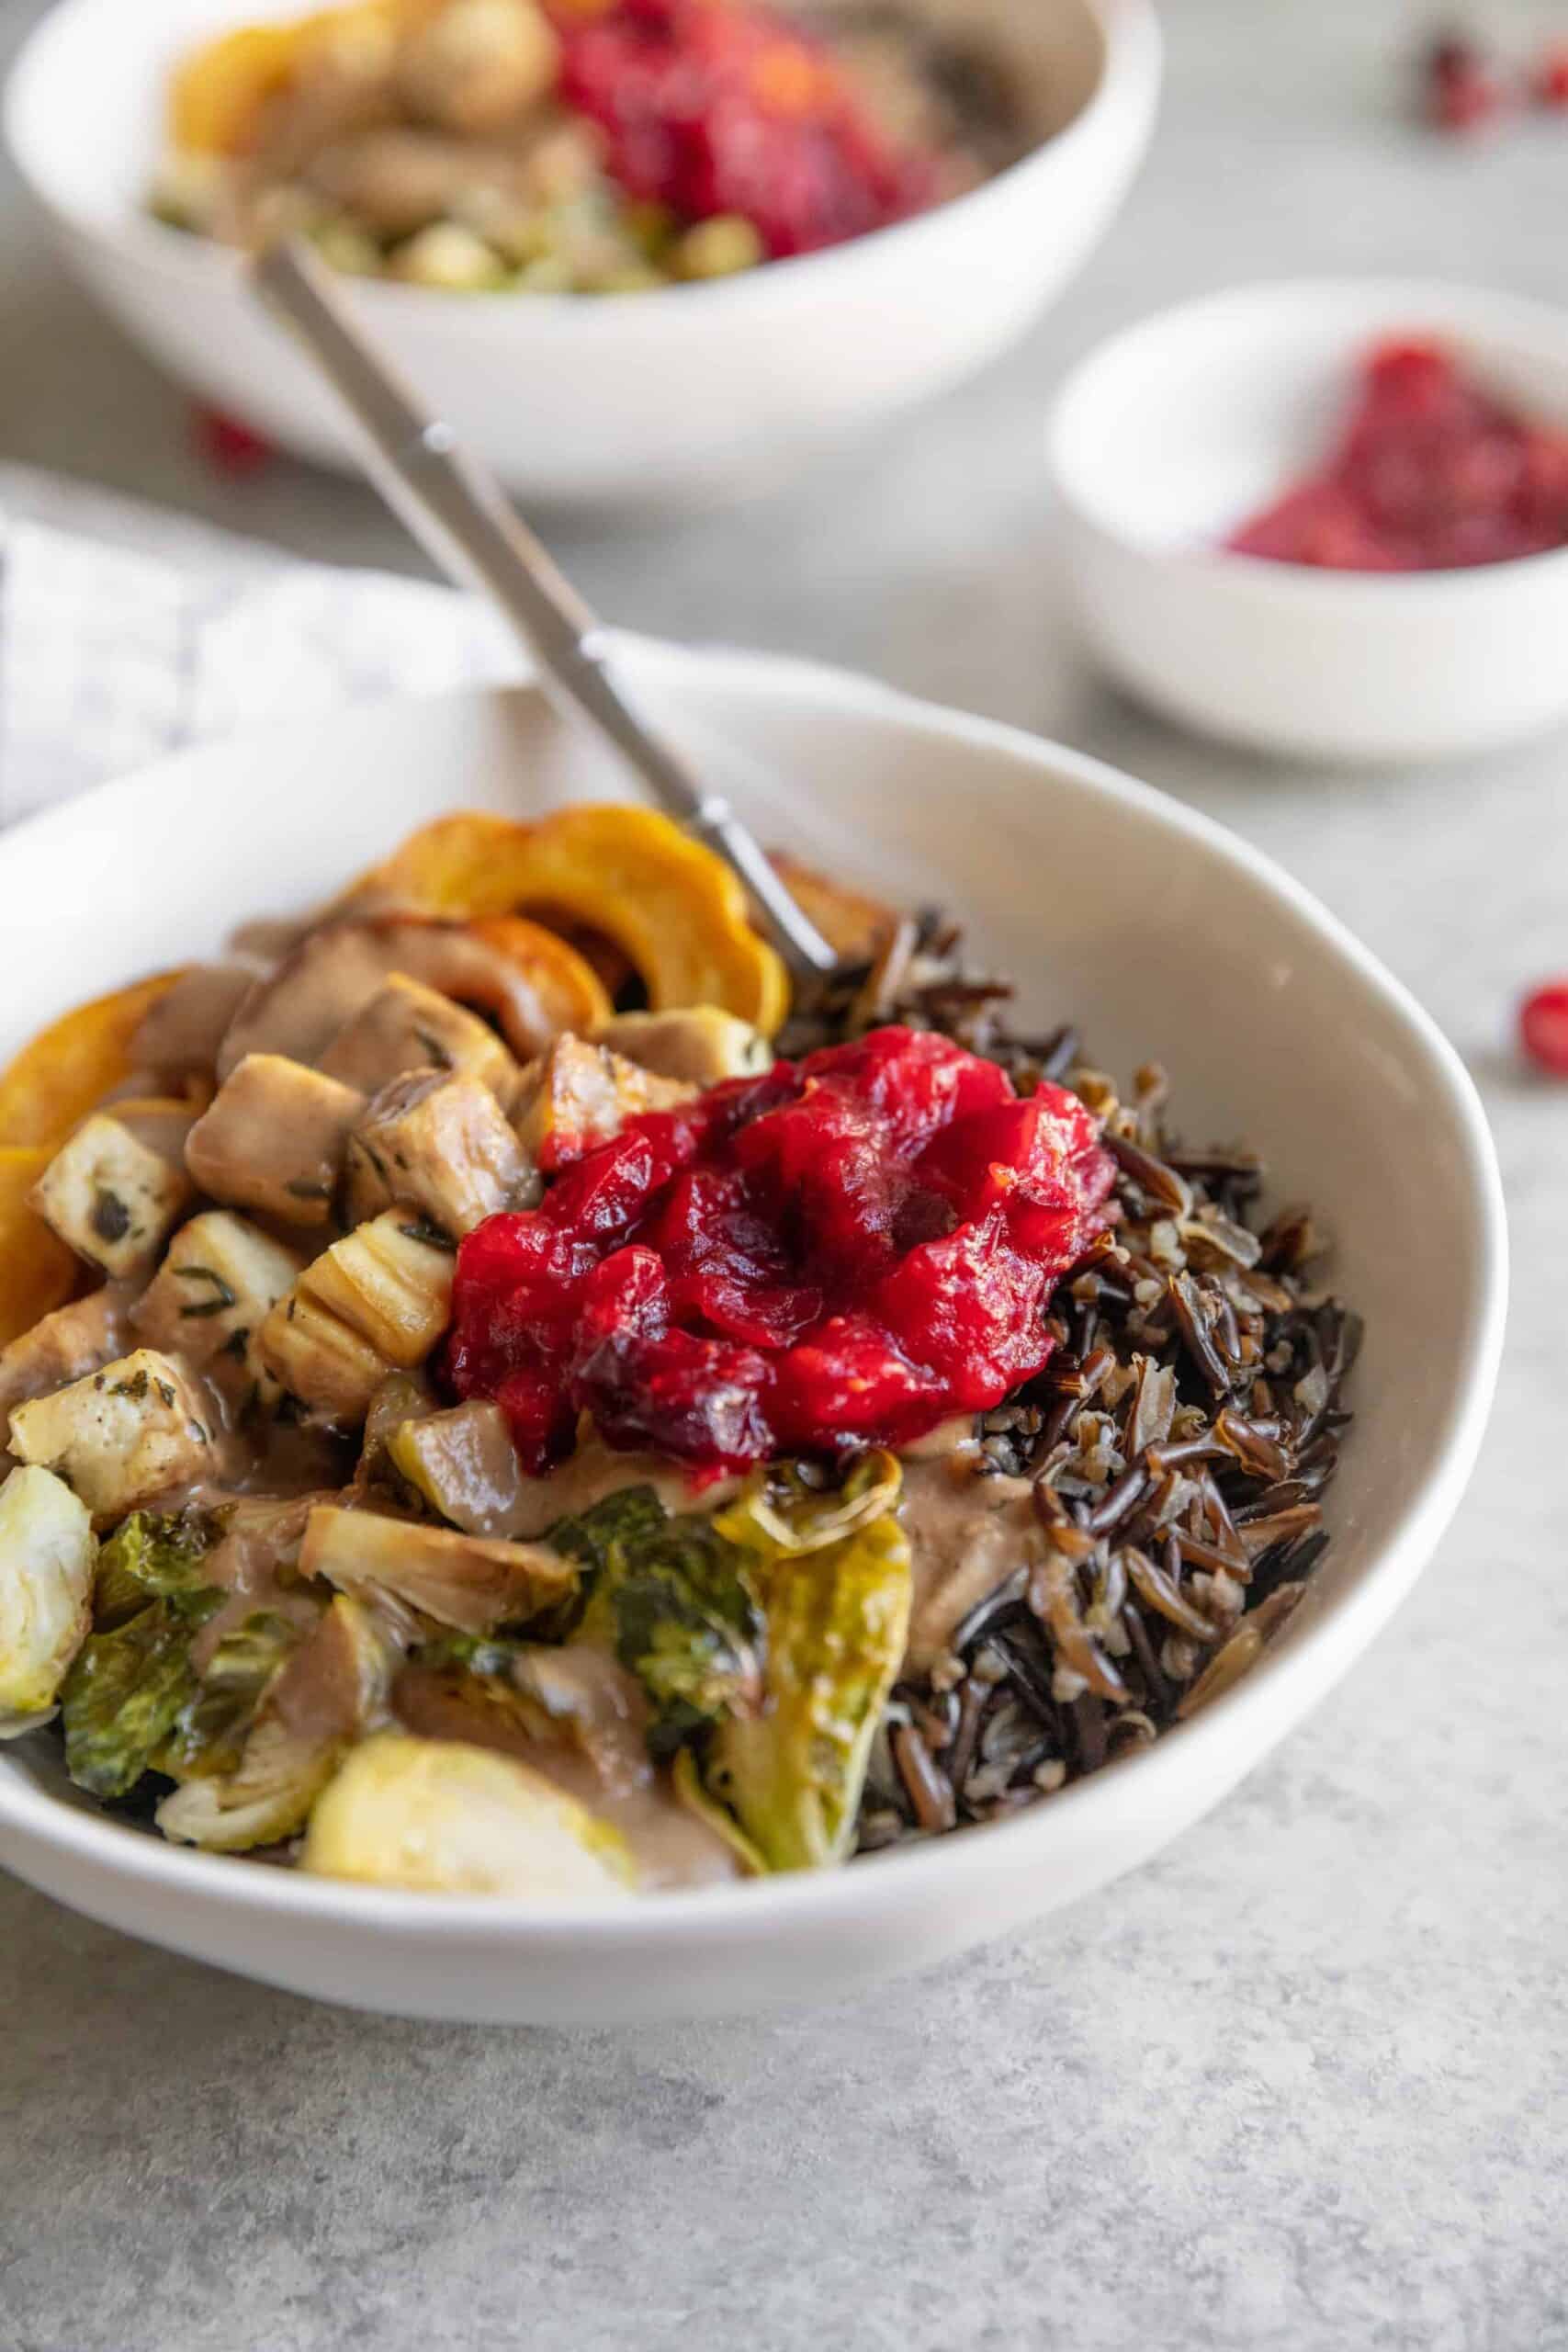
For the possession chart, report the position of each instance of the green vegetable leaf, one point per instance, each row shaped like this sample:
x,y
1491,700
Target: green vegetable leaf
x,y
209,1735
628,1518
792,1771
788,1507
671,1598
149,1558
125,1692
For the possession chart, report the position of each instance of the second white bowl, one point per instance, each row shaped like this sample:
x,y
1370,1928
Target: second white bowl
x,y
679,392
1171,434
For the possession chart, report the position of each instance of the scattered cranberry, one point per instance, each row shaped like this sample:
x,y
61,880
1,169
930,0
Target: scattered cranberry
x,y
1543,1027
229,445
1460,91
1552,78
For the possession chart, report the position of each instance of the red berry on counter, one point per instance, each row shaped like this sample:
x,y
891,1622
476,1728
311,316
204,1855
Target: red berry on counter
x,y
1551,84
1459,89
1543,1027
228,443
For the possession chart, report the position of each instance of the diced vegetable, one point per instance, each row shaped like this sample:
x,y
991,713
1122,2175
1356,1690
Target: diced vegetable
x,y
330,1691
47,1555
375,1301
406,1027
792,1772
581,1094
111,1198
460,1580
274,1139
464,1464
440,1142
118,1436
700,1042
61,1345
446,1818
220,1278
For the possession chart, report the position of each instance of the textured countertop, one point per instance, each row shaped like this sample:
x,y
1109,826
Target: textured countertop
x,y
1299,2087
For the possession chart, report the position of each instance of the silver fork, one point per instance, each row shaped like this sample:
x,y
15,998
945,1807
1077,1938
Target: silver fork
x,y
461,517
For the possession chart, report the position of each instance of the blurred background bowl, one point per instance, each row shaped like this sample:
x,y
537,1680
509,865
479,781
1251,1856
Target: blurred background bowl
x,y
1174,433
679,392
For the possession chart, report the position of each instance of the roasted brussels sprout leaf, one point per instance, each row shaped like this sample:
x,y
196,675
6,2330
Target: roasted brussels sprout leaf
x,y
445,1817
788,1508
671,1600
125,1694
329,1692
792,1772
146,1559
47,1552
209,1735
627,1518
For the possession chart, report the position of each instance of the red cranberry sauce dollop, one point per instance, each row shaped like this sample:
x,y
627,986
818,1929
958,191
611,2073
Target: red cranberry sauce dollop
x,y
707,108
850,1249
1431,474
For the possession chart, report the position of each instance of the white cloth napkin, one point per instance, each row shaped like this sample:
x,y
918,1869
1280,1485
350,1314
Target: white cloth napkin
x,y
125,633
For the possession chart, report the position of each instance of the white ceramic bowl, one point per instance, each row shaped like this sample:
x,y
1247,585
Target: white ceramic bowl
x,y
1108,901
1168,437
681,392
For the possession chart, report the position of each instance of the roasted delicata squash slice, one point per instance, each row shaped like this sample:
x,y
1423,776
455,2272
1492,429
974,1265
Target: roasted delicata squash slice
x,y
70,1066
447,1819
38,1273
48,1553
671,907
219,93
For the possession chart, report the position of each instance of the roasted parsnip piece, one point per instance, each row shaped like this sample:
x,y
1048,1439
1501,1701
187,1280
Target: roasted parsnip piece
x,y
120,1435
376,1302
406,1026
702,1043
111,1197
220,1279
579,1094
274,1139
460,1580
441,1142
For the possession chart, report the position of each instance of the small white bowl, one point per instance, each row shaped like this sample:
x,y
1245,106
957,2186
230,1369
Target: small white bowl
x,y
1163,935
682,391
1167,438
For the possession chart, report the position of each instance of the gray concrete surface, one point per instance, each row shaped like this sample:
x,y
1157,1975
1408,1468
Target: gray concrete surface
x,y
1297,2087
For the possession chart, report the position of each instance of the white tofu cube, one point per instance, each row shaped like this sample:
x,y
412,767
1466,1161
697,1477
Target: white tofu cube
x,y
273,1139
220,1279
441,1142
111,1197
118,1436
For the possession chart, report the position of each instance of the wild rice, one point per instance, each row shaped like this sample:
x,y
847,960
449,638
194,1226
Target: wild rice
x,y
1180,1439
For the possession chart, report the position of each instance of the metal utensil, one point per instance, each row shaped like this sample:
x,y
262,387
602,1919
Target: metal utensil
x,y
462,518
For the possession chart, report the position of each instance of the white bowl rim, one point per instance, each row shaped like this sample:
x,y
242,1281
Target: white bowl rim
x,y
1131,50
1507,314
944,1863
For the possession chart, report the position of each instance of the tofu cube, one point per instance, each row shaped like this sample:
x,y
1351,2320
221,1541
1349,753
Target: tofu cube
x,y
406,1026
274,1139
220,1279
62,1346
698,1042
111,1197
441,1142
376,1302
118,1436
579,1094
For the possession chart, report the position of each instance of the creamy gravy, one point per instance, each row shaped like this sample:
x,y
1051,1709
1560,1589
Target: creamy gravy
x,y
966,1536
